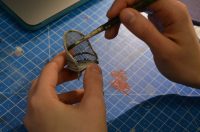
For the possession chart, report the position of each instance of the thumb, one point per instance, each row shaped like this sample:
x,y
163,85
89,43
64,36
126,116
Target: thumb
x,y
93,85
142,28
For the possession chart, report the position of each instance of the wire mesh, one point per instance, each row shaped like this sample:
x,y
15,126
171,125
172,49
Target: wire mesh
x,y
80,56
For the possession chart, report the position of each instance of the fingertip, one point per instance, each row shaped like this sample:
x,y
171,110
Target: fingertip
x,y
108,14
109,35
93,84
112,32
94,68
93,76
62,52
58,61
111,12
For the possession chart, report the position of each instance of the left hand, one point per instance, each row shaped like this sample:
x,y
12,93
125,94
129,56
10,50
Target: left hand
x,y
49,112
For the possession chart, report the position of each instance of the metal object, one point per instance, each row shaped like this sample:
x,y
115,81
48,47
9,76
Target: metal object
x,y
80,56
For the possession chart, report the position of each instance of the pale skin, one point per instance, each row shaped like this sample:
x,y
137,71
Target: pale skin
x,y
50,112
176,49
176,53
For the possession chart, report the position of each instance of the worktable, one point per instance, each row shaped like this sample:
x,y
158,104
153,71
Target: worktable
x,y
153,104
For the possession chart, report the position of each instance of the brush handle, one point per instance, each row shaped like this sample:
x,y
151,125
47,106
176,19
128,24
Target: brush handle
x,y
139,6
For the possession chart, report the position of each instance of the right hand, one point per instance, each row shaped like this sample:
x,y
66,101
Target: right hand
x,y
176,48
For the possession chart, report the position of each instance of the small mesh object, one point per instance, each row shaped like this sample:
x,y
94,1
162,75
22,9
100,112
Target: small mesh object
x,y
81,55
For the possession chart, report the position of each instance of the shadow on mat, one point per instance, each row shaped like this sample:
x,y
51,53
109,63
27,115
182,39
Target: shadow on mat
x,y
162,113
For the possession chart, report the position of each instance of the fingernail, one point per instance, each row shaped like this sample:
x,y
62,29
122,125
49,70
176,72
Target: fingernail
x,y
128,16
94,68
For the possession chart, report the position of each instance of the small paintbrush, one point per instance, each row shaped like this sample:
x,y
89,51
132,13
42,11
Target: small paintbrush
x,y
140,6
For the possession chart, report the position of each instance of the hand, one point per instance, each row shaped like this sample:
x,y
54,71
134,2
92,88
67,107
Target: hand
x,y
169,34
49,112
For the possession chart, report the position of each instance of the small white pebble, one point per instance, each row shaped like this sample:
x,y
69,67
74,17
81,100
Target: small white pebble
x,y
19,51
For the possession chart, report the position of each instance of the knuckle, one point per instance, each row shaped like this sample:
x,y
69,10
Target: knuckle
x,y
182,11
53,64
182,7
34,102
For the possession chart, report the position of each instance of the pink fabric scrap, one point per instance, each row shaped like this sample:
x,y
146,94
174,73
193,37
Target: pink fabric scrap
x,y
120,82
